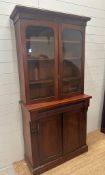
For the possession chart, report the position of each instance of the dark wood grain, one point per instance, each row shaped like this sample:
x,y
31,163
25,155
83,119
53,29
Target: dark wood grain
x,y
21,66
78,98
72,124
103,117
50,139
21,12
26,134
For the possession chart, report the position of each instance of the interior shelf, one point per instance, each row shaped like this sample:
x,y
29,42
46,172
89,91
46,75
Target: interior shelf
x,y
51,59
40,40
40,82
71,58
72,42
51,40
32,58
71,78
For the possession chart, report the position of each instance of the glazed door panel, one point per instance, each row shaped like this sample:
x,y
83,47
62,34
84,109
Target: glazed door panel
x,y
41,57
49,138
73,125
71,59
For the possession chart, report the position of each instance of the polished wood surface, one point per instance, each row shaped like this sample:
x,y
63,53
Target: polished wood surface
x,y
50,50
78,98
34,13
103,117
57,134
50,138
72,133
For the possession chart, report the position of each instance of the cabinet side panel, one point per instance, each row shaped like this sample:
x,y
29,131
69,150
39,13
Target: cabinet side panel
x,y
83,124
20,61
26,133
83,59
103,117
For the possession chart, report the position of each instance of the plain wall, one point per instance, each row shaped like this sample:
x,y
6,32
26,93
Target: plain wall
x,y
11,135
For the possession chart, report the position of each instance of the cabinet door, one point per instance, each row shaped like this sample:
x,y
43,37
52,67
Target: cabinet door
x,y
74,129
41,56
49,138
71,58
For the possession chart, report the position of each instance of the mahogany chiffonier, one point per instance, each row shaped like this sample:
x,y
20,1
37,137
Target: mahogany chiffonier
x,y
51,51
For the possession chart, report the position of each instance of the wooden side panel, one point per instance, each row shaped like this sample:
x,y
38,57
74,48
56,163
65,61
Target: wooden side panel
x,y
103,117
26,133
30,139
20,61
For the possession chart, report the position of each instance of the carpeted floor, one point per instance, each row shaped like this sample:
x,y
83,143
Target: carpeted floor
x,y
90,163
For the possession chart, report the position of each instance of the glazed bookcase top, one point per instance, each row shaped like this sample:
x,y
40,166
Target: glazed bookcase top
x,y
51,54
23,12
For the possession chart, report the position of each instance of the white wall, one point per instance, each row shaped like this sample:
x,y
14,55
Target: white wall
x,y
11,139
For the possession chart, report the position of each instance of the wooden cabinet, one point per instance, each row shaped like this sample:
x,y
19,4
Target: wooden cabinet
x,y
50,51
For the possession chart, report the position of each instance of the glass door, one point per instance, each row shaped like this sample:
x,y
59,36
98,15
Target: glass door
x,y
71,55
41,61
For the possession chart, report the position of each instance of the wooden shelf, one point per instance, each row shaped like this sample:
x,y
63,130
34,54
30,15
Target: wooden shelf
x,y
40,82
71,78
40,40
72,58
39,59
51,40
51,59
72,42
72,89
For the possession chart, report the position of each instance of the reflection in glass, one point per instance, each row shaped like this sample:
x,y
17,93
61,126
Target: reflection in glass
x,y
40,55
71,46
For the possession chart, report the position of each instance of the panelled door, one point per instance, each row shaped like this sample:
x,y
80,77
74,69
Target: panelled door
x,y
74,133
49,138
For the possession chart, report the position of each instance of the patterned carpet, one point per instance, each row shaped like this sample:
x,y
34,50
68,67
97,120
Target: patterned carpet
x,y
90,163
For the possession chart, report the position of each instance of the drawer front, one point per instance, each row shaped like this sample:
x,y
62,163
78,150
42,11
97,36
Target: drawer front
x,y
55,110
